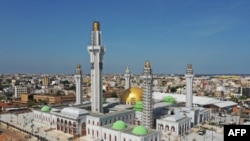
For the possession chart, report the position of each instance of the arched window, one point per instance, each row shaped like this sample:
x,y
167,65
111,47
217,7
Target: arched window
x,y
167,128
172,129
161,127
105,136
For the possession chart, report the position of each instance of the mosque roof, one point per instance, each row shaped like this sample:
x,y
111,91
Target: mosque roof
x,y
119,125
73,111
140,130
175,118
200,100
224,104
46,108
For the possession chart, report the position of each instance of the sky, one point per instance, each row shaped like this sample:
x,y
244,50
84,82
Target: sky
x,y
51,36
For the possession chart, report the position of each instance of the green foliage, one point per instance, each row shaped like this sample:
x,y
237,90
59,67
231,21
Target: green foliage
x,y
31,103
103,100
173,89
113,94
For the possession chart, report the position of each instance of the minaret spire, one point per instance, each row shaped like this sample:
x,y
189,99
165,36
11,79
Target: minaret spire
x,y
189,86
147,118
127,78
78,81
96,51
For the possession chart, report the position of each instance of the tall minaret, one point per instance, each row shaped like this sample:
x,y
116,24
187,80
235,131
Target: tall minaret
x,y
189,86
127,78
96,51
78,80
147,116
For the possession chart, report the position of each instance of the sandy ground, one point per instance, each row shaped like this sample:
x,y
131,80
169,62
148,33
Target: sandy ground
x,y
11,134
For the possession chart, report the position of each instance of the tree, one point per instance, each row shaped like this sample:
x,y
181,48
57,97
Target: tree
x,y
113,94
173,89
31,103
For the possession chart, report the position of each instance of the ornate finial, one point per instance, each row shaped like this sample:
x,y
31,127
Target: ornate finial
x,y
189,66
96,26
189,69
78,66
147,64
127,70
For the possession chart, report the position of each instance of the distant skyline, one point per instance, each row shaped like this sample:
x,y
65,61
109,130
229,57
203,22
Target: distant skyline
x,y
51,36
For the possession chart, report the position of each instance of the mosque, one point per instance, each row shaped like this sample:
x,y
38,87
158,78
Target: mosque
x,y
149,119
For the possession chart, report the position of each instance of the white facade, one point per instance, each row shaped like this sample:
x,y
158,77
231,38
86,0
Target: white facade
x,y
70,120
94,122
78,81
45,118
198,115
108,133
174,125
96,51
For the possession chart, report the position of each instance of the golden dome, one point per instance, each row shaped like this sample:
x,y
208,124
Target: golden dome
x,y
96,26
147,64
132,95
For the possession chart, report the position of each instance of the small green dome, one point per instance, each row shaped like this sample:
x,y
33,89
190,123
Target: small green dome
x,y
140,130
119,125
139,103
138,106
169,99
46,109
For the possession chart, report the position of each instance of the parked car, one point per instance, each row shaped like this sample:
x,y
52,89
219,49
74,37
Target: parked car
x,y
221,115
201,132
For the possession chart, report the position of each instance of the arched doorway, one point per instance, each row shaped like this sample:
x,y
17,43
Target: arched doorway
x,y
70,128
83,129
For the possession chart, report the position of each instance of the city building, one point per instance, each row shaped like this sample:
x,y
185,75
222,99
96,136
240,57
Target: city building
x,y
18,90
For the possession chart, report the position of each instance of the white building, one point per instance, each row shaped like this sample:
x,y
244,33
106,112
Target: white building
x,y
95,121
70,120
18,90
173,125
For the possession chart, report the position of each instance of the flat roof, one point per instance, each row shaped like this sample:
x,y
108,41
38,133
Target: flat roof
x,y
224,104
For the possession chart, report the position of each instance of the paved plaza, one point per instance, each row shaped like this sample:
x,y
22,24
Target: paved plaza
x,y
25,122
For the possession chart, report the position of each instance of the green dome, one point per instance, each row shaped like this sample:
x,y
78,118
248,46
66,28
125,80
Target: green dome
x,y
139,103
46,109
138,106
169,99
140,130
119,125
